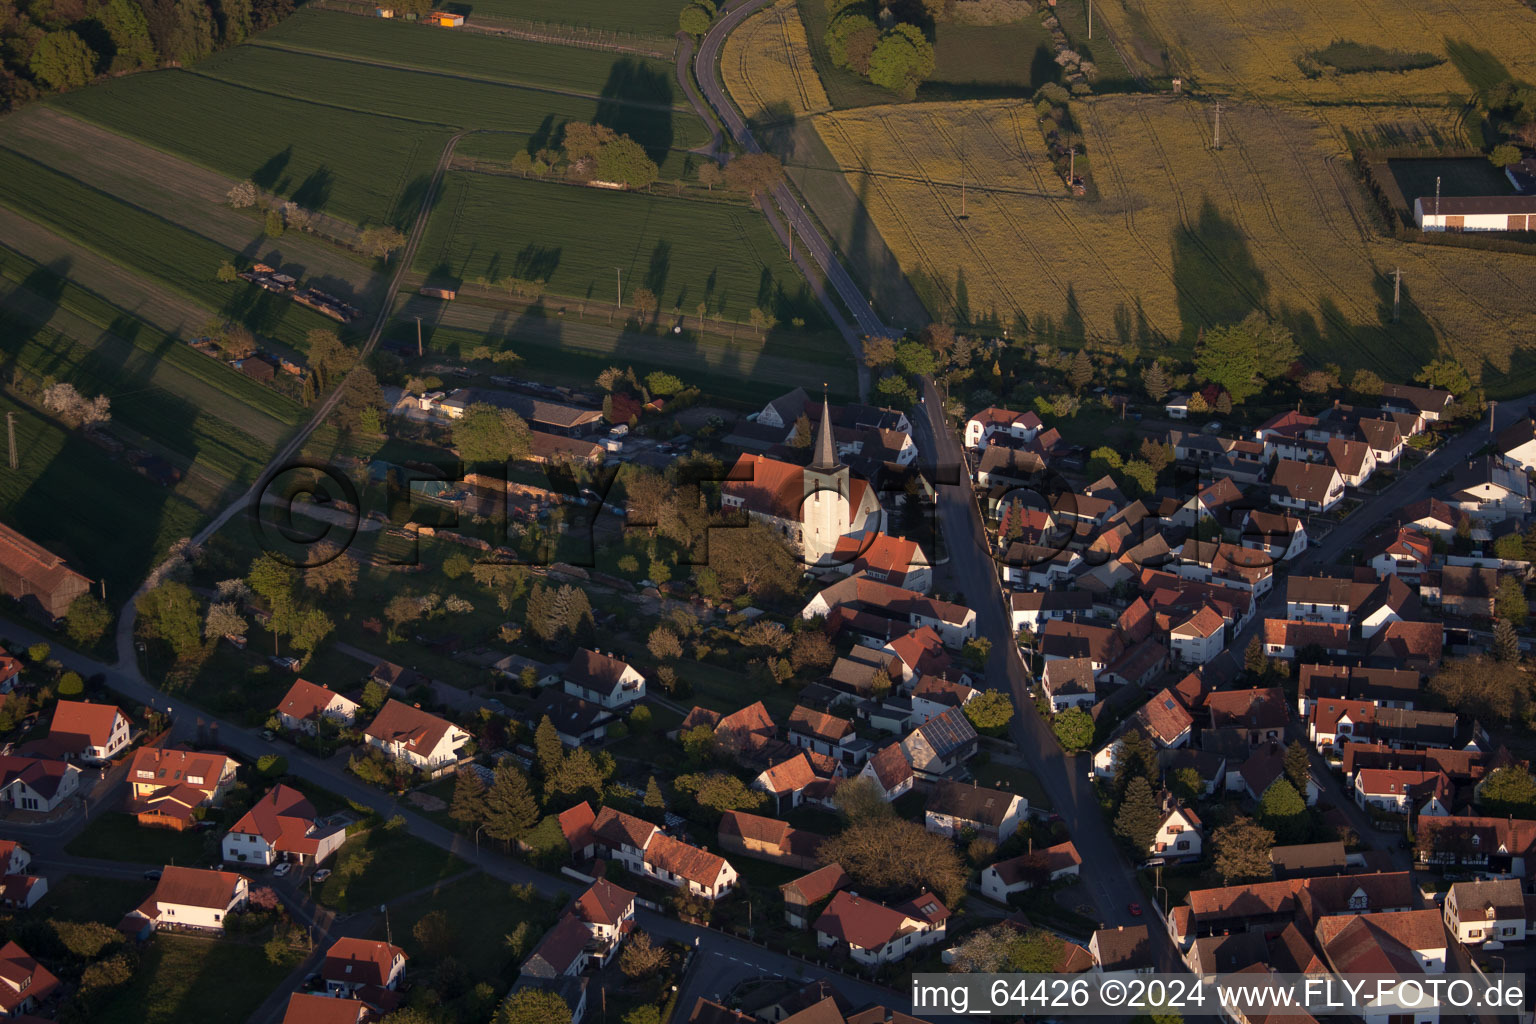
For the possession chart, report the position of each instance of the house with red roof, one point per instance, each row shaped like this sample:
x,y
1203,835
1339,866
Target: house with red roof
x,y
1261,713
24,983
563,952
883,611
873,934
429,743
934,695
1179,835
282,826
608,911
576,825
167,785
1282,537
311,1008
306,703
887,559
981,427
1334,721
36,784
1405,943
1283,638
362,969
786,782
1039,867
93,733
1200,637
890,771
1419,793
1306,486
603,679
644,849
1403,551
916,652
769,839
805,893
18,890
194,898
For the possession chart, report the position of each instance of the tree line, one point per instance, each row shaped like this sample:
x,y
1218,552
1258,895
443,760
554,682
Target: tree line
x,y
53,45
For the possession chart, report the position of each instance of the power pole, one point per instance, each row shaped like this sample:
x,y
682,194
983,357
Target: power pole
x,y
1493,407
1218,125
1090,19
1397,293
10,429
619,276
418,337
1437,204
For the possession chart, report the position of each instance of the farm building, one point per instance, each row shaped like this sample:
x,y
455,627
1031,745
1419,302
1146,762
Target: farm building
x,y
32,574
446,20
1475,213
384,12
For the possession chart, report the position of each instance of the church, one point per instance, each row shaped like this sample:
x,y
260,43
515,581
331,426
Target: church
x,y
811,506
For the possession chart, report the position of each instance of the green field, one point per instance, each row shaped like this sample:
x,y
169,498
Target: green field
x,y
644,17
1017,56
118,836
492,58
572,238
186,979
362,167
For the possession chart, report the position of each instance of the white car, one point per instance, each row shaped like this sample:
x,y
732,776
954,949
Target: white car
x,y
282,869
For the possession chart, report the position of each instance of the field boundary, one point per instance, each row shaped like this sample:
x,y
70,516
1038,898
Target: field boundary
x,y
535,31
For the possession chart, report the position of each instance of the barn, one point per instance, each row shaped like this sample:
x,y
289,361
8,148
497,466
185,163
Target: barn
x,y
1475,213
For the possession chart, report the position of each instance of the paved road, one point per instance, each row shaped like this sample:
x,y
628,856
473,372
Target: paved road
x,y
806,232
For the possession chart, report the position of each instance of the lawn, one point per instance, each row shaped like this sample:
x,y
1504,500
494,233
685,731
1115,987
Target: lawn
x,y
493,58
118,836
483,910
723,689
1018,780
1019,56
382,865
579,242
185,979
1181,236
362,167
181,260
86,898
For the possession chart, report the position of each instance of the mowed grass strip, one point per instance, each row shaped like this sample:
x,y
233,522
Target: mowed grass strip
x,y
246,404
429,97
154,248
362,167
642,17
492,58
687,252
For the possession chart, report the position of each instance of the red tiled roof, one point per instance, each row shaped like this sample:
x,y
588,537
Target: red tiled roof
x,y
171,767
28,568
604,903
862,923
196,887
576,825
413,727
284,818
310,1008
305,699
1295,634
1165,716
615,828
818,885
685,861
21,971
1204,623
773,488
789,776
90,722
891,767
360,961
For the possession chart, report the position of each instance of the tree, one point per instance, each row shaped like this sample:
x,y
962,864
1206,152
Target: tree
x,y
274,225
1447,374
380,242
1298,766
576,777
131,44
510,808
754,173
811,651
469,805
71,685
1158,454
625,161
1506,642
1242,851
63,60
169,613
709,176
1509,601
309,627
557,615
644,301
1138,819
534,1006
548,750
1366,383
913,358
1504,154
643,957
226,273
1510,547
1239,358
879,352
488,434
360,406
699,744
1080,373
74,408
87,620
243,195
1073,729
664,644
224,619
895,854
1282,810
654,801
1254,661
719,792
332,569
1187,785
1155,380
860,799
1480,687
640,719
1135,757
990,712
1508,792
329,358
902,59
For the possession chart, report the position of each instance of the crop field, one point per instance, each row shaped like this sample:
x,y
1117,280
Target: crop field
x,y
766,66
1180,236
642,17
1253,47
573,239
149,246
1018,55
492,58
362,167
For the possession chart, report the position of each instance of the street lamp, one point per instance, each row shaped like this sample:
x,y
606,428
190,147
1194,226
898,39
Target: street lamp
x,y
477,839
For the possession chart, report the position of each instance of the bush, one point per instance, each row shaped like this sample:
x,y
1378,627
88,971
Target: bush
x,y
71,685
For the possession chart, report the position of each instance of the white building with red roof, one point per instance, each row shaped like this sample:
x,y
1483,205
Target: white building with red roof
x,y
311,1008
1022,426
427,742
894,560
24,983
603,679
1426,794
890,771
353,968
875,934
36,784
18,890
192,898
282,825
167,785
1200,637
608,911
1039,867
88,732
306,703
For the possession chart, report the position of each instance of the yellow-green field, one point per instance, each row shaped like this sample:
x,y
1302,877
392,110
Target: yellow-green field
x,y
766,66
1180,234
1251,46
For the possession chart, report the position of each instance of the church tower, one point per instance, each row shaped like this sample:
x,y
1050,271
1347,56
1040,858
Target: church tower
x,y
824,513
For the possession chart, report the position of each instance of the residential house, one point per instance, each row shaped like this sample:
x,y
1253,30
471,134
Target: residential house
x,y
881,610
981,427
1307,486
1431,516
1300,860
1283,638
807,892
941,745
24,983
312,1008
1281,536
683,866
282,826
1462,590
1430,403
1040,867
608,911
37,577
1517,443
786,782
1416,793
1176,406
1490,490
167,785
1068,683
576,825
93,733
1404,944
362,969
1033,609
821,733
1403,551
1179,835
769,839
1333,722
890,770
1122,950
306,703
1355,460
1417,646
1101,645
1384,436
18,890
603,680
1200,637
954,808
1497,847
886,559
10,672
934,695
193,898
563,951
874,934
35,784
1387,687
1479,912
428,743
578,723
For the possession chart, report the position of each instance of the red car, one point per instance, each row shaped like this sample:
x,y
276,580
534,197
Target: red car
x,y
1135,909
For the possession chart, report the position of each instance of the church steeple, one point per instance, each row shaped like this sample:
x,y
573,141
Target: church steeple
x,y
825,459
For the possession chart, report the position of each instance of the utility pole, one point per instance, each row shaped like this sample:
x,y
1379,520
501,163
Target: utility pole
x,y
1437,204
1090,19
1397,293
10,429
1218,125
1493,407
418,337
619,276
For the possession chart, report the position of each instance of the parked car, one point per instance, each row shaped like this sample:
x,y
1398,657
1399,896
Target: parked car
x,y
153,874
282,869
321,875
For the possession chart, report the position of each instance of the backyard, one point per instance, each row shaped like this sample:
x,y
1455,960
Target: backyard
x,y
186,979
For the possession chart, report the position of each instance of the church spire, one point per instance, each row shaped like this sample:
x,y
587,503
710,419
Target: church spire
x,y
826,452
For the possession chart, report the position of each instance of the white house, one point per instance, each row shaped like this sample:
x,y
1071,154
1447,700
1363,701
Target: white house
x,y
608,911
1425,794
603,679
352,966
1486,911
1283,537
1069,683
35,784
306,703
875,934
1199,638
644,849
1022,426
1177,406
282,825
427,742
93,733
1308,486
1475,213
1051,864
1179,836
1517,443
955,807
194,898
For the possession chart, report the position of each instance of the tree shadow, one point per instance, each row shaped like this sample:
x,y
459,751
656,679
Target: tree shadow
x,y
1481,69
1214,271
649,121
660,264
266,176
536,262
315,191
